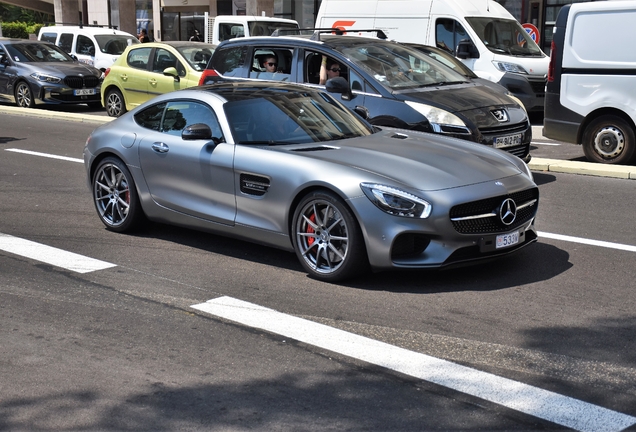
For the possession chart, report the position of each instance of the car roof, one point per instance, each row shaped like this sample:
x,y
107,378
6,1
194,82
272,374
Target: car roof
x,y
247,89
176,44
307,40
14,41
87,29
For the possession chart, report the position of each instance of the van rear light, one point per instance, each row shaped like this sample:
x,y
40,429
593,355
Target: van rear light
x,y
552,61
207,73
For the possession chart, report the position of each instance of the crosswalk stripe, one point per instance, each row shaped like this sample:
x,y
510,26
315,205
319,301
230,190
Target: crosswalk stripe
x,y
544,404
50,255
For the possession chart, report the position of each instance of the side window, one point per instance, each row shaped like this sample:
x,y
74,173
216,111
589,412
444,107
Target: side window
x,y
66,42
448,33
139,58
184,113
312,65
229,61
48,37
85,46
150,118
164,59
271,64
230,31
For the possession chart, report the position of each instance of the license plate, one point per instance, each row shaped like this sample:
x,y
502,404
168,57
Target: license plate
x,y
506,240
84,92
507,141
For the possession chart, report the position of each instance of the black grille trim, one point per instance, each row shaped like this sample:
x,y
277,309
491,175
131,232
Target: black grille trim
x,y
505,129
526,210
78,82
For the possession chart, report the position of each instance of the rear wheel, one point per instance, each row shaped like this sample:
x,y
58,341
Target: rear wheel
x,y
609,139
24,95
115,105
327,238
115,196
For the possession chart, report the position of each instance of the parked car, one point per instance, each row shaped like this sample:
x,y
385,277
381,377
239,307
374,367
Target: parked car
x,y
289,166
399,86
150,69
97,46
39,72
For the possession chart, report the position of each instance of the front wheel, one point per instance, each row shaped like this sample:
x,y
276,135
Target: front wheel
x,y
609,139
24,95
115,104
327,238
115,196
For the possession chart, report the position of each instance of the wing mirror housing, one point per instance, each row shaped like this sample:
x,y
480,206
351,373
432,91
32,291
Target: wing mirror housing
x,y
171,71
467,49
196,131
339,85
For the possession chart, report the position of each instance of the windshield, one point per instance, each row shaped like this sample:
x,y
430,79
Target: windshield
x,y
197,55
266,28
276,118
37,53
114,44
400,67
502,36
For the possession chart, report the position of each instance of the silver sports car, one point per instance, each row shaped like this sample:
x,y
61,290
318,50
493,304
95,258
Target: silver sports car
x,y
290,167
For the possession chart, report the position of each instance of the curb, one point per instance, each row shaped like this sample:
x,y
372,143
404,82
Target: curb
x,y
536,164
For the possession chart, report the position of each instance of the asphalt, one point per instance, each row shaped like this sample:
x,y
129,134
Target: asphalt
x,y
536,164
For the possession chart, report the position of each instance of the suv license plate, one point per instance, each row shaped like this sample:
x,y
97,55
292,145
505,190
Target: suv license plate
x,y
507,141
84,92
506,240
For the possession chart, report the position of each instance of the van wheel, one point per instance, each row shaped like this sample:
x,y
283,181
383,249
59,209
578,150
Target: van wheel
x,y
609,139
115,105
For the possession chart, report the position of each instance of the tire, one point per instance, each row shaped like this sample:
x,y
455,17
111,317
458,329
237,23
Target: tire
x,y
115,196
24,95
115,104
327,238
609,139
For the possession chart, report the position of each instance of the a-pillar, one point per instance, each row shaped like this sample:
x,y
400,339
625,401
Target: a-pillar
x,y
66,11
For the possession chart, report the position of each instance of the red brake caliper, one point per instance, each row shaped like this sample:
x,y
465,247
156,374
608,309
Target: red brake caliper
x,y
310,230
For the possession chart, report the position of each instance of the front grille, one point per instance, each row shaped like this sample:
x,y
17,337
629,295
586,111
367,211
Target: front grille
x,y
519,151
504,130
538,86
493,224
78,82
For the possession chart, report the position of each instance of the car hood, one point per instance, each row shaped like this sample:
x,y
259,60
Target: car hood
x,y
64,69
457,97
419,160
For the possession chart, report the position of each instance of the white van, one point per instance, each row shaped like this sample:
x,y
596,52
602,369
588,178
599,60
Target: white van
x,y
591,91
483,34
96,46
225,27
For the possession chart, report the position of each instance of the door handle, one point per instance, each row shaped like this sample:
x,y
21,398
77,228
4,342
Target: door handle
x,y
160,147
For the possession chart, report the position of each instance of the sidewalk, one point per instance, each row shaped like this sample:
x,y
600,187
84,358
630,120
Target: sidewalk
x,y
536,164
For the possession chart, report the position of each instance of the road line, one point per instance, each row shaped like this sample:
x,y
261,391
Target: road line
x,y
32,153
581,240
50,255
550,406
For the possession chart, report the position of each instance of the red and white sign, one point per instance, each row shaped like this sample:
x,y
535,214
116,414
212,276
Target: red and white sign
x,y
533,31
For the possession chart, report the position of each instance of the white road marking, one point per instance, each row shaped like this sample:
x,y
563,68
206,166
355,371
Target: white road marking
x,y
50,255
547,405
544,143
581,240
32,153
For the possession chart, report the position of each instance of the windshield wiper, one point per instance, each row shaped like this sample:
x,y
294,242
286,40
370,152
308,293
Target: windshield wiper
x,y
445,83
268,143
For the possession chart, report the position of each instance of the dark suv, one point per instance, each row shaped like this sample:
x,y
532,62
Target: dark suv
x,y
398,85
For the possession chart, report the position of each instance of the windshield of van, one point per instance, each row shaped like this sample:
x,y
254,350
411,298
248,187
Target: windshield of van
x,y
266,28
400,67
505,36
114,44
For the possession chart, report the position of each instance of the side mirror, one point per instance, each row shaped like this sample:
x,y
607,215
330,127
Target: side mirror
x,y
362,111
171,71
339,85
197,131
466,49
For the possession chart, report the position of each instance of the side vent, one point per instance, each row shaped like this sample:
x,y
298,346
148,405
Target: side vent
x,y
254,185
319,148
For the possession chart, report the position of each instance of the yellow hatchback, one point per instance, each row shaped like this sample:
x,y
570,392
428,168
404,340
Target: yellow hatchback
x,y
144,71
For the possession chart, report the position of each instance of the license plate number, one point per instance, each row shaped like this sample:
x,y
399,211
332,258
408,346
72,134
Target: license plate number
x,y
84,92
507,141
506,240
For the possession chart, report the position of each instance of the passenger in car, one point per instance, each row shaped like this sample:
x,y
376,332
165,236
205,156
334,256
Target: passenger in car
x,y
270,64
329,68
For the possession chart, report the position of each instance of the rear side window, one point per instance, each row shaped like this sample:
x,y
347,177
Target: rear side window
x,y
228,62
138,58
150,118
66,42
49,37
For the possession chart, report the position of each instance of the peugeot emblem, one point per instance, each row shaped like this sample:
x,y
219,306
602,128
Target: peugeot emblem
x,y
500,114
508,211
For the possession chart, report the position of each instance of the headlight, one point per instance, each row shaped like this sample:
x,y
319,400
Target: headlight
x,y
509,67
46,78
438,118
396,202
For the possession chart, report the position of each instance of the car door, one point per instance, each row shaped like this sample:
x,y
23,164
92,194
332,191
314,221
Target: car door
x,y
134,78
157,82
192,177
